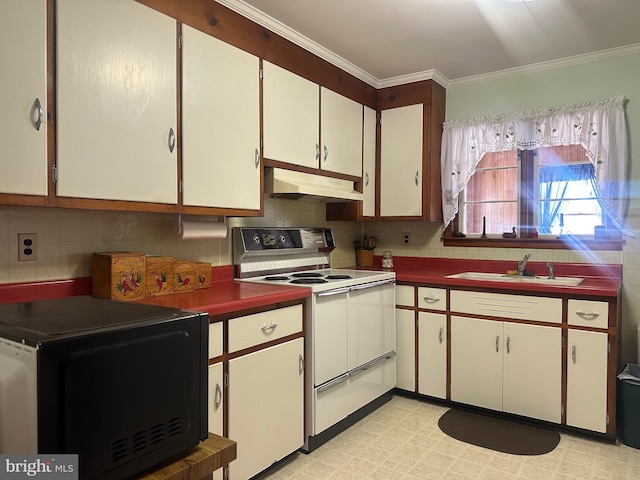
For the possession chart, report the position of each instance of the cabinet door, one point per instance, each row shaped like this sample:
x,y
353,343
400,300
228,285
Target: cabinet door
x,y
401,161
476,362
220,123
587,380
216,406
532,371
116,101
406,350
23,97
432,354
266,406
369,163
291,117
341,134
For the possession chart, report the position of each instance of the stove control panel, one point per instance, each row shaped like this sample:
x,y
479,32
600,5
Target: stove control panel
x,y
257,240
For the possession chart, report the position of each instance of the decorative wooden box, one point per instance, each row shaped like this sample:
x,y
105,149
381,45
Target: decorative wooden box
x,y
159,276
202,274
119,275
183,275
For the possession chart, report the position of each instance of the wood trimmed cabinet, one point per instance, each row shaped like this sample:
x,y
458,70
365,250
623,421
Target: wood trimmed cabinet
x,y
261,370
548,358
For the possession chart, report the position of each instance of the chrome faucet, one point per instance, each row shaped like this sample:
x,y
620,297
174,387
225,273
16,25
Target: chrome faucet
x,y
522,265
550,267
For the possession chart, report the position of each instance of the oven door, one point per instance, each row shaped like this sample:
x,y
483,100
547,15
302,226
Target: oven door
x,y
330,327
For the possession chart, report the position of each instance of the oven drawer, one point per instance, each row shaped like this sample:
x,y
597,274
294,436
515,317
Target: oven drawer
x,y
251,330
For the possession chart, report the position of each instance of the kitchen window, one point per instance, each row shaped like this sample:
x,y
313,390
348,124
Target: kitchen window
x,y
561,196
537,175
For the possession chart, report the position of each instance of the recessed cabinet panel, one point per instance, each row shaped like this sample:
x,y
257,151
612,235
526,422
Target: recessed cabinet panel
x,y
341,134
220,123
519,307
401,161
116,101
291,117
369,163
432,354
215,339
23,97
404,295
406,350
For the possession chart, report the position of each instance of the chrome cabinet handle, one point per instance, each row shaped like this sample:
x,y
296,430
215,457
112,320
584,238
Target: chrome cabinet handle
x,y
588,315
428,299
37,108
417,178
269,328
317,151
366,179
440,334
300,364
497,343
257,158
573,353
217,397
172,140
508,344
326,153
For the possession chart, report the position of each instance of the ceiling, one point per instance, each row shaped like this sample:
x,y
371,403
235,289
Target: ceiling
x,y
386,42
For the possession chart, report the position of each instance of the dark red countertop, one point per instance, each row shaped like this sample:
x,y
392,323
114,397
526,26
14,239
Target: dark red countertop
x,y
600,279
225,295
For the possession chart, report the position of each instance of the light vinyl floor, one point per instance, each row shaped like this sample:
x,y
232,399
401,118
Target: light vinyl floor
x,y
401,441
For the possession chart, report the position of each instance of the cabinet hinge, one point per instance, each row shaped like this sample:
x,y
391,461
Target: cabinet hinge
x,y
180,40
561,409
181,186
608,348
262,74
226,379
561,342
607,418
54,174
226,472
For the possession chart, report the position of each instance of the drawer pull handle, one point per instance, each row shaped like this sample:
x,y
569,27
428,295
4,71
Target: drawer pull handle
x,y
37,108
508,344
497,343
429,299
172,140
440,334
300,364
269,328
326,153
573,353
256,162
218,397
588,315
366,179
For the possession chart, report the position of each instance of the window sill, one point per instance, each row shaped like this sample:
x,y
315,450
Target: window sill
x,y
567,243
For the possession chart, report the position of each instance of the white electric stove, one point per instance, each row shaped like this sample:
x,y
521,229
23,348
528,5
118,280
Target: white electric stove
x,y
350,323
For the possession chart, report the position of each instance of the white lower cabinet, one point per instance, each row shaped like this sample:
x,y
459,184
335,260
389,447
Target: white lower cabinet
x,y
432,354
405,349
266,413
216,405
508,367
587,359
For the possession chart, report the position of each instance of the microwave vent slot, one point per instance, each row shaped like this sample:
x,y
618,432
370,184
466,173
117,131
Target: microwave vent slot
x,y
175,426
143,439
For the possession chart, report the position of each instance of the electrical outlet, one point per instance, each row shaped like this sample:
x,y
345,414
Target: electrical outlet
x,y
405,238
27,246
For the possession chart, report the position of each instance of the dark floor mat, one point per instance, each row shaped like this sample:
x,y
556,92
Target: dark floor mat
x,y
498,434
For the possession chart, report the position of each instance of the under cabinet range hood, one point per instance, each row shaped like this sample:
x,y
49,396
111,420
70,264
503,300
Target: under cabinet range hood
x,y
294,185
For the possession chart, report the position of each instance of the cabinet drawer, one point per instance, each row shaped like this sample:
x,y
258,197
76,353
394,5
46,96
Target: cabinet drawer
x,y
215,339
404,295
519,307
245,332
588,313
432,298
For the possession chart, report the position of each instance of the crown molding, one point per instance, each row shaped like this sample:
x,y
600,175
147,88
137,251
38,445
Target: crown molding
x,y
255,15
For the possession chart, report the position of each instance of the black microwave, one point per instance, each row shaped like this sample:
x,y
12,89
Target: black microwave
x,y
122,385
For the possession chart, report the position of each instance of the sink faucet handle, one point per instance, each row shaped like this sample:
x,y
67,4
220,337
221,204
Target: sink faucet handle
x,y
551,273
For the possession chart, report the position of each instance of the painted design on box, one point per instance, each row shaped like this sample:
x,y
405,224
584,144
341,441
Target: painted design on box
x,y
183,282
160,281
130,285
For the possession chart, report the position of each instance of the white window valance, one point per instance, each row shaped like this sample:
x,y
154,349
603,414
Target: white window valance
x,y
600,127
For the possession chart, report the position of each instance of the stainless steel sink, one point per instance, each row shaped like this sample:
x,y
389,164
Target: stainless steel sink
x,y
502,277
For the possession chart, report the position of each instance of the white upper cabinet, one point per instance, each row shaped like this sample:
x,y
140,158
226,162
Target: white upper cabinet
x,y
220,124
116,102
401,161
369,163
341,134
23,97
291,116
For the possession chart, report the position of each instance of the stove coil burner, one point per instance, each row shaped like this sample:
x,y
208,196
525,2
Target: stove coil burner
x,y
338,277
308,281
275,278
307,275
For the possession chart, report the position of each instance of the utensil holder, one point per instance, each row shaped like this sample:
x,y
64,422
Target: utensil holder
x,y
364,258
